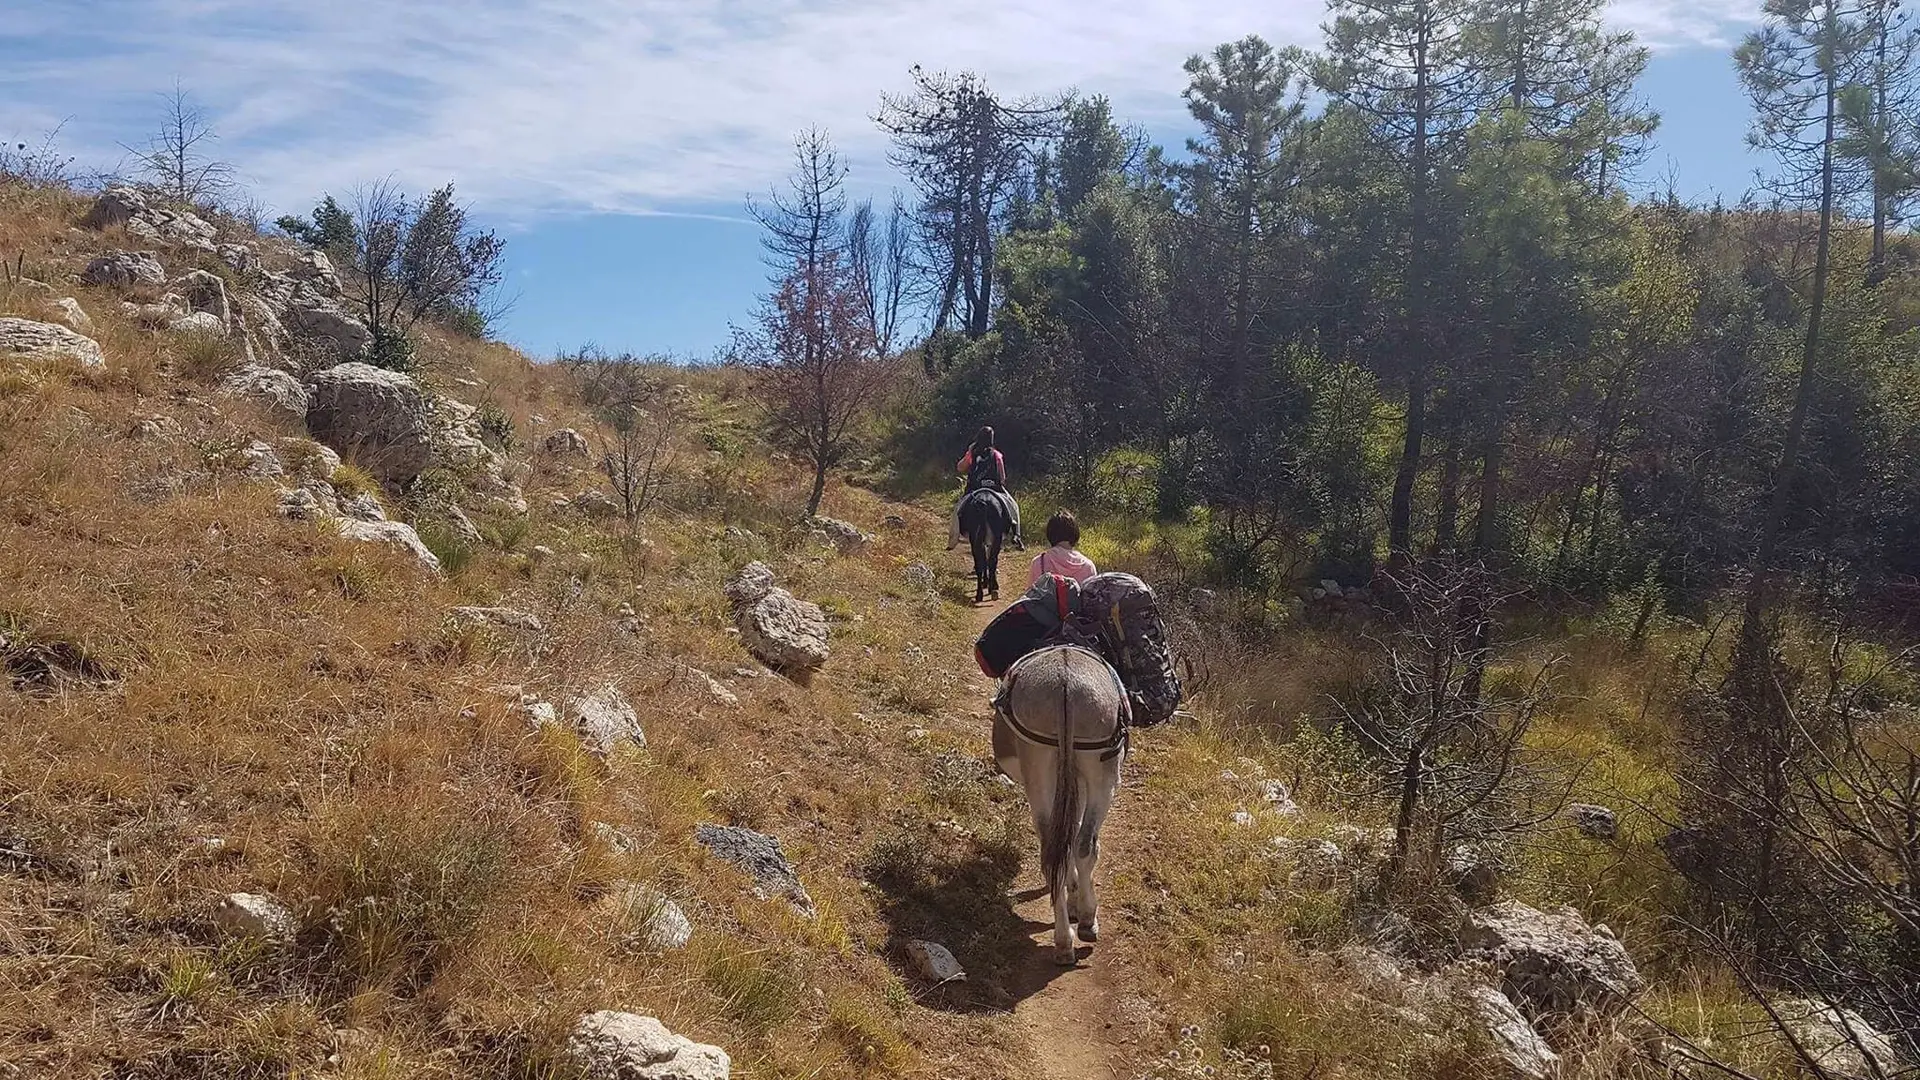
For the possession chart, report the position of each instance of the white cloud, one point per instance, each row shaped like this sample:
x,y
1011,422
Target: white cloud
x,y
631,106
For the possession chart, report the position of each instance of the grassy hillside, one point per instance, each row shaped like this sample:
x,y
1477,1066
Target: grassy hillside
x,y
234,702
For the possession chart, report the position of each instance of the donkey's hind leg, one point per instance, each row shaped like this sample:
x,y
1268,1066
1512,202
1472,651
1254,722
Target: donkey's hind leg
x,y
1102,779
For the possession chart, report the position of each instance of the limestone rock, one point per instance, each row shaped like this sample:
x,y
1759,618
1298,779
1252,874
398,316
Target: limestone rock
x,y
1519,1045
25,339
934,962
844,536
125,269
567,443
1839,1039
507,618
206,294
259,917
69,311
1552,962
595,504
784,632
610,1045
391,532
763,860
605,720
647,918
379,418
199,322
1594,822
277,391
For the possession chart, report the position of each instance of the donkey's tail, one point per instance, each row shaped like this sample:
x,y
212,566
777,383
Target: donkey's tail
x,y
1057,846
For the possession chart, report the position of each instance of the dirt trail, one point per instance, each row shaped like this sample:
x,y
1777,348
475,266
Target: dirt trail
x,y
1068,1013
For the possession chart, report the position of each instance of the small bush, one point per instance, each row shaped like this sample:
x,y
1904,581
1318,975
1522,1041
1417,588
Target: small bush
x,y
454,552
495,425
400,892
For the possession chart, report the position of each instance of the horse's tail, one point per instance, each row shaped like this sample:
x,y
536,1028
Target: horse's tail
x,y
1057,847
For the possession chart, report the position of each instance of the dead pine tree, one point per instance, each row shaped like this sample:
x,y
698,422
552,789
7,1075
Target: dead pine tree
x,y
177,161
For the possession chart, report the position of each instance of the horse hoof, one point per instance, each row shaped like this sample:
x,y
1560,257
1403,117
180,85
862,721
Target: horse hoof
x,y
1088,932
1066,957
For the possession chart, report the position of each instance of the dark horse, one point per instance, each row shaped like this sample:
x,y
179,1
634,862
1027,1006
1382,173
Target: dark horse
x,y
985,517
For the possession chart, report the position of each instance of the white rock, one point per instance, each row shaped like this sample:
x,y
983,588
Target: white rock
x,y
498,616
256,916
391,532
785,633
1840,1040
69,311
1552,963
605,720
381,418
714,688
26,339
567,443
842,535
260,461
277,391
648,919
934,962
125,269
610,1045
1518,1044
202,323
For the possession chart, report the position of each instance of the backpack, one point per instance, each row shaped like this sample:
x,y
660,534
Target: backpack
x,y
1134,640
984,472
1029,623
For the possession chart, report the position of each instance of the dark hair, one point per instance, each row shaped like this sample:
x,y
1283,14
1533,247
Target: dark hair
x,y
1063,529
984,440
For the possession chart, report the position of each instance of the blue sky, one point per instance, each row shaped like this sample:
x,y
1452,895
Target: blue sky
x,y
613,141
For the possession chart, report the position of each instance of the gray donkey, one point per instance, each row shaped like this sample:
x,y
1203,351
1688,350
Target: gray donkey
x,y
1059,730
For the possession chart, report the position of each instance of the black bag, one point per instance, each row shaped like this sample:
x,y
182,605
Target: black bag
x,y
984,472
1028,624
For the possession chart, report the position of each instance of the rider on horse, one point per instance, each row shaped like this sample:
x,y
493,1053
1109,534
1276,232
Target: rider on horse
x,y
985,469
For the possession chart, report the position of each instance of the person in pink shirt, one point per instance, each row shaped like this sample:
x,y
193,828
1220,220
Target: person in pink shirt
x,y
984,467
1060,558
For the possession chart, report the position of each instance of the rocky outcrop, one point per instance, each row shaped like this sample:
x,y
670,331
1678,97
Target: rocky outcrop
x,y
1552,963
610,1045
786,633
25,339
149,222
275,390
125,269
763,860
381,419
391,532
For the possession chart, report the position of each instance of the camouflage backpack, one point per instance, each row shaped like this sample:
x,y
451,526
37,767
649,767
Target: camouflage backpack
x,y
1134,640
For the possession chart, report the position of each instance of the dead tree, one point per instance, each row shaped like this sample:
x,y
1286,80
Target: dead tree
x,y
177,161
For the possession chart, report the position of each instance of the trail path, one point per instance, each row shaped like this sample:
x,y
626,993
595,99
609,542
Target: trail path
x,y
1069,1014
